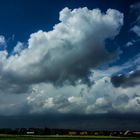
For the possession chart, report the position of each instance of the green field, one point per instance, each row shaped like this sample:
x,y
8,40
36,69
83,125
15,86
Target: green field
x,y
11,137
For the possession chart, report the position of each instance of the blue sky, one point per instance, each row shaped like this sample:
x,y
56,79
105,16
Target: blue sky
x,y
70,58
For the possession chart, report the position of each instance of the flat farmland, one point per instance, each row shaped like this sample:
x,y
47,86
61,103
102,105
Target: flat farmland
x,y
14,137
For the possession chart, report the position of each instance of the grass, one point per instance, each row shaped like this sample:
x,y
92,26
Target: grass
x,y
25,137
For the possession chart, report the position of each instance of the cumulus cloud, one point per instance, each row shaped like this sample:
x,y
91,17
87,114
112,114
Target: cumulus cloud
x,y
70,50
71,53
68,55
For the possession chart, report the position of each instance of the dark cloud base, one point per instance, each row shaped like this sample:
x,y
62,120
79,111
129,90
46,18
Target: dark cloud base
x,y
88,122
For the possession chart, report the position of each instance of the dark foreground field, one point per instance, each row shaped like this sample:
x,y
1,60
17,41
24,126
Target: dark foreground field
x,y
7,137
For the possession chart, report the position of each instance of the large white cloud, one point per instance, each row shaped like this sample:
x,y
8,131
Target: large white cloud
x,y
70,50
75,47
68,54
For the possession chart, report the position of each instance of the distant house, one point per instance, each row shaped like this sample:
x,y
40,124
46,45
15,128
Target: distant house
x,y
96,133
128,133
30,132
136,133
72,133
132,133
84,133
114,133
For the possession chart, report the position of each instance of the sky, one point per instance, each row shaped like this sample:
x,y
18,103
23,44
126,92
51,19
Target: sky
x,y
70,64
